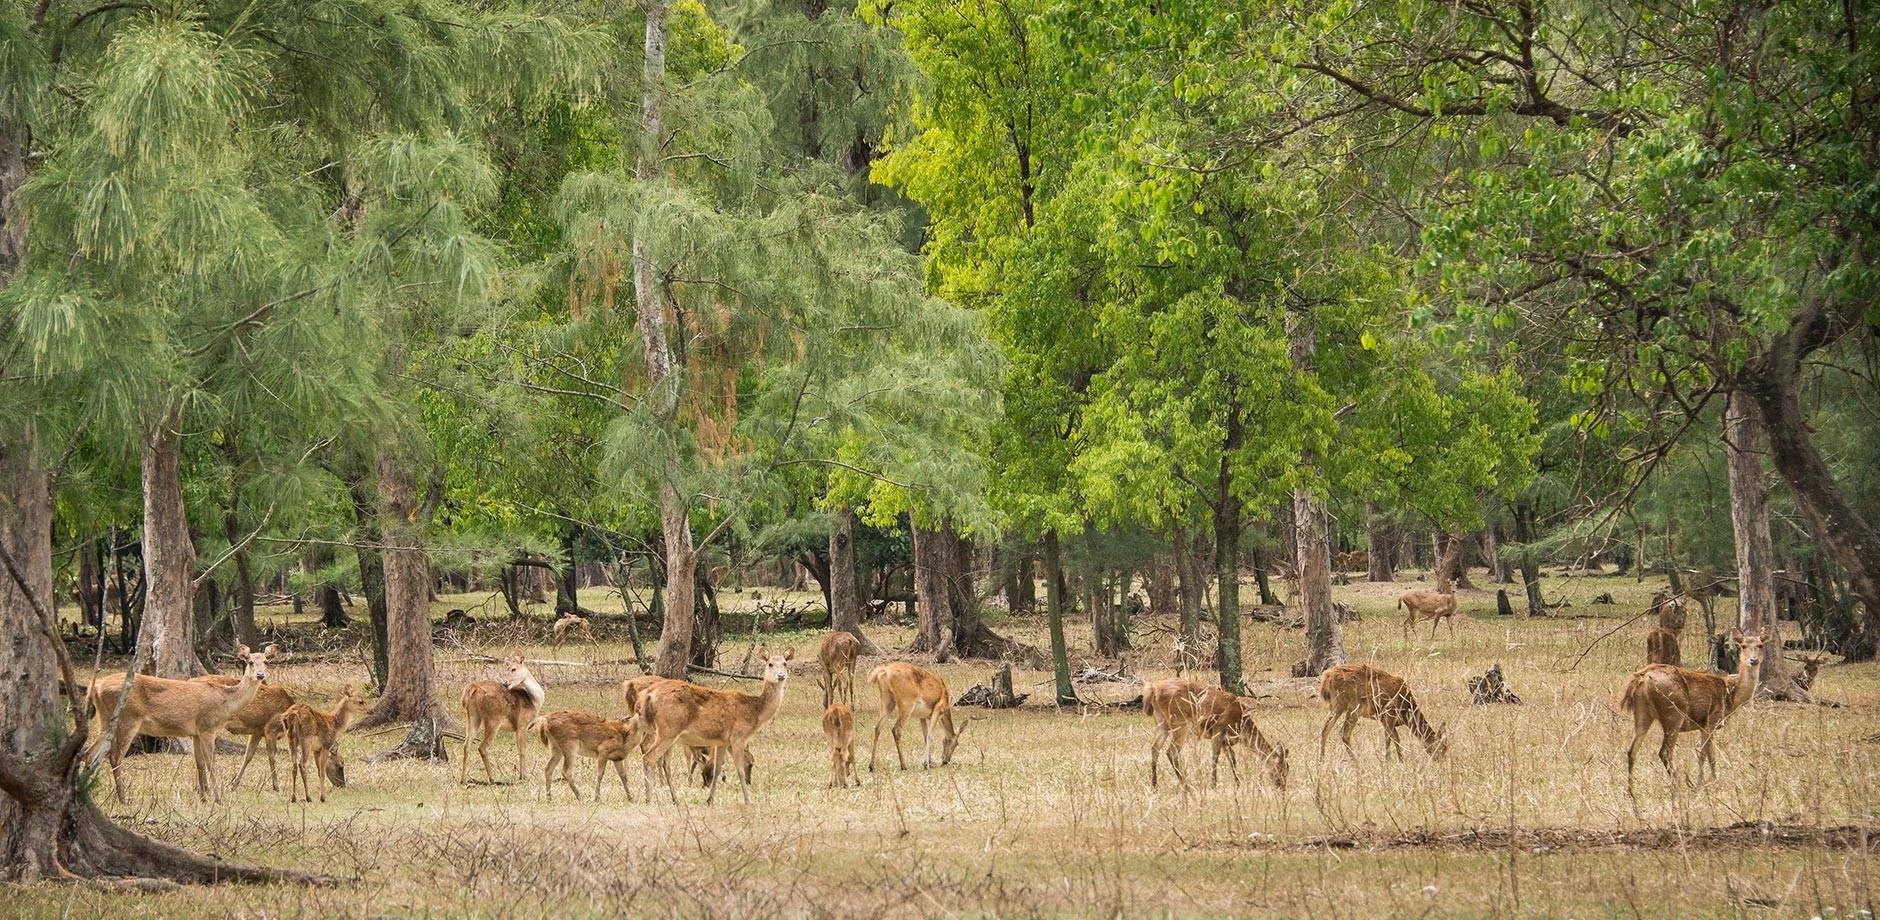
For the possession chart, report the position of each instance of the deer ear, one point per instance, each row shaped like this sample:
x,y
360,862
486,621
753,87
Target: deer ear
x,y
1736,634
270,650
789,655
241,651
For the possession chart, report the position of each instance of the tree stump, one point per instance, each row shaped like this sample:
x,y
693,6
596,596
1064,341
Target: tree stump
x,y
1502,607
1491,688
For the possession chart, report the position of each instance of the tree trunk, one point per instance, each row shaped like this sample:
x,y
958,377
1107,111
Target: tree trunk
x,y
1530,561
1261,578
567,586
1379,552
367,537
168,626
845,595
1054,614
1191,557
707,627
408,694
1098,602
1227,568
244,597
29,702
91,582
1749,522
930,592
1021,592
1164,594
1325,639
332,614
1498,571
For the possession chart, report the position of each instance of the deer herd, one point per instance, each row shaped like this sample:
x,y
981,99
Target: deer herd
x,y
715,727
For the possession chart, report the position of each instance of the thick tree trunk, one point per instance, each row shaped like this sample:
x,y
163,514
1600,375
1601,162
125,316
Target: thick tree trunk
x,y
930,591
409,691
1498,571
845,595
168,627
1749,522
243,598
707,628
1262,580
332,614
1325,639
29,702
1021,591
1379,549
1098,603
567,585
1164,592
1054,614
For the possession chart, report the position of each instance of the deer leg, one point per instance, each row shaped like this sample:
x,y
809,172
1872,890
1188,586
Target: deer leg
x,y
274,780
567,774
740,762
926,743
548,774
1665,749
1155,753
320,759
522,749
469,733
899,721
1177,739
1392,742
212,774
657,755
487,735
254,741
1325,730
600,773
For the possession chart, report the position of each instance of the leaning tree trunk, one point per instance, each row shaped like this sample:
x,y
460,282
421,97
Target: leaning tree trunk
x,y
1749,521
167,630
1325,639
845,595
1378,546
1054,614
409,694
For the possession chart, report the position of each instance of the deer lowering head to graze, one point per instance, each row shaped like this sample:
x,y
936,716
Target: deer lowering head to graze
x,y
569,732
313,735
572,625
1661,647
255,721
1424,604
911,691
1352,691
838,725
718,720
1681,700
164,708
509,703
837,655
1186,709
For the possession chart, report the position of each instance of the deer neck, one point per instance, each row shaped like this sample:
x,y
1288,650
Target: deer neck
x,y
532,689
769,700
235,696
1739,687
343,714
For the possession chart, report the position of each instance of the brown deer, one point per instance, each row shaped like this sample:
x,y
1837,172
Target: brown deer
x,y
1670,610
1662,647
701,717
909,690
1360,690
837,655
165,708
1424,604
838,725
702,761
489,706
1185,709
1681,700
314,735
568,732
254,721
573,625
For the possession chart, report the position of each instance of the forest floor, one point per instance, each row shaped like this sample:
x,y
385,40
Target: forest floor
x,y
1045,812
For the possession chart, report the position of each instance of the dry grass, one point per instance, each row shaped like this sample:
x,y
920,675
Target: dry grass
x,y
1048,813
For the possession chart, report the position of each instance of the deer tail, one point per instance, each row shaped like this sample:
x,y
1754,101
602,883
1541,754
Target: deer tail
x,y
540,728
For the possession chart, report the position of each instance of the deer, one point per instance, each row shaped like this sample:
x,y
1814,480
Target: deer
x,y
254,721
567,732
1681,700
314,735
837,655
703,761
1424,604
573,624
1360,690
164,708
701,717
909,690
1670,610
1185,709
1662,647
838,725
510,703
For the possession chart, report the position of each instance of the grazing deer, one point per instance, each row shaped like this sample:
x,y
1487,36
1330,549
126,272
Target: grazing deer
x,y
909,690
255,721
837,655
1185,709
489,706
838,725
701,717
1355,690
1424,604
314,735
164,708
1681,700
568,732
573,624
1662,647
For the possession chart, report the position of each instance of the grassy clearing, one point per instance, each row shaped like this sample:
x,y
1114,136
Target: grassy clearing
x,y
1051,813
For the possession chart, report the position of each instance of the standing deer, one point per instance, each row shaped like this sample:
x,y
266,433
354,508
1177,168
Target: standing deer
x,y
1185,709
1360,690
838,725
1681,700
490,706
1662,647
255,721
701,717
1424,604
314,735
837,655
568,732
702,760
909,690
165,708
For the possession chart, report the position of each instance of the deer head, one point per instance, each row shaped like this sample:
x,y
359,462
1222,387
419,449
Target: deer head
x,y
952,742
777,667
1751,645
255,663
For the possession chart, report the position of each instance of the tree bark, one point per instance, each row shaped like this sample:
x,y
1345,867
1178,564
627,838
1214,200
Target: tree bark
x,y
1164,593
1325,639
1498,571
930,592
567,585
332,614
1192,558
368,536
1227,566
1054,614
29,702
707,628
243,599
1530,562
1749,522
1379,553
168,629
408,693
845,595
